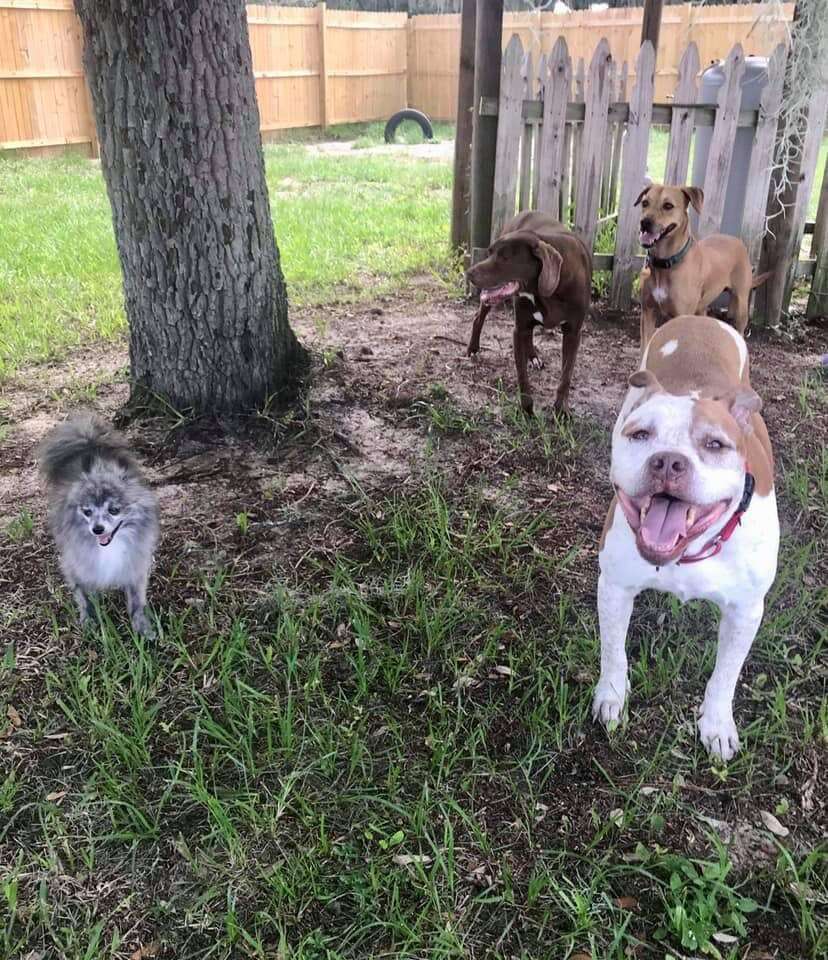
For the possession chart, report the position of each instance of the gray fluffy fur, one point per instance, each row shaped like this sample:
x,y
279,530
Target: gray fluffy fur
x,y
102,515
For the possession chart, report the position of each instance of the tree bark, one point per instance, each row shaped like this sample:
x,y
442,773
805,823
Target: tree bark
x,y
461,192
178,124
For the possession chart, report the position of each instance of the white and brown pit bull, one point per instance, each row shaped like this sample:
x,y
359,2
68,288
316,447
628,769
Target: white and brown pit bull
x,y
694,512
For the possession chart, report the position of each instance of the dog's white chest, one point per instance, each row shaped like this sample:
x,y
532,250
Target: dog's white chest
x,y
660,295
110,566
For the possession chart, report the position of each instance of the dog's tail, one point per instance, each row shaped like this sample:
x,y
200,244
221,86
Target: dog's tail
x,y
73,446
758,281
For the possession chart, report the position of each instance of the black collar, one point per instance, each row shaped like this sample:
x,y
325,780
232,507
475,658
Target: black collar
x,y
667,263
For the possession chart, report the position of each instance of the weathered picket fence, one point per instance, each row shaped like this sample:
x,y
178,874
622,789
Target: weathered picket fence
x,y
573,144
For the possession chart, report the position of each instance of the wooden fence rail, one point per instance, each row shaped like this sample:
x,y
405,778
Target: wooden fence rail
x,y
578,184
316,67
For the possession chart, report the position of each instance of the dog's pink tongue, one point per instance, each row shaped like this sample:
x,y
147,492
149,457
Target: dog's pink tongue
x,y
665,522
496,294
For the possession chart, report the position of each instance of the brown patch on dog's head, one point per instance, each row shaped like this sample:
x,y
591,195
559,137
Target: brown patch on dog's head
x,y
664,212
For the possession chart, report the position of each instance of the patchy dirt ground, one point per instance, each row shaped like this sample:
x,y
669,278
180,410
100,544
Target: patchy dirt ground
x,y
392,400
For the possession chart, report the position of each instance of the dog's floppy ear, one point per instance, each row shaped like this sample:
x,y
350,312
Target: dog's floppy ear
x,y
645,379
551,263
695,197
641,195
742,404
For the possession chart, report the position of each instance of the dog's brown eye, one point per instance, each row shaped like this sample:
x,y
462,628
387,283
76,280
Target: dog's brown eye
x,y
86,512
641,435
668,206
114,511
645,203
711,443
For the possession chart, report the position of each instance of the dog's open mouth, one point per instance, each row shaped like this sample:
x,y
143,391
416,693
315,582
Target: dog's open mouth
x,y
664,525
649,238
491,296
105,539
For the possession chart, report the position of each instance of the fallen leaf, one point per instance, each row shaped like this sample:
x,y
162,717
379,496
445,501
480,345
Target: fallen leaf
x,y
14,716
581,956
150,950
56,796
626,903
773,824
503,671
616,817
725,938
404,859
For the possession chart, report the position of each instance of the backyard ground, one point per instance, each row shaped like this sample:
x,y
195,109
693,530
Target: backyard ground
x,y
364,731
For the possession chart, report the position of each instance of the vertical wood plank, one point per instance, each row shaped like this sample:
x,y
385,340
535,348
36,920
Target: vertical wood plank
x,y
555,98
596,105
618,141
577,138
681,125
528,135
537,160
509,122
721,143
461,183
633,169
606,166
818,298
761,158
807,170
323,65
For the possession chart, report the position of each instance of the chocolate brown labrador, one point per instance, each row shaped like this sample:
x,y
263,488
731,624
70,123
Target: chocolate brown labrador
x,y
546,272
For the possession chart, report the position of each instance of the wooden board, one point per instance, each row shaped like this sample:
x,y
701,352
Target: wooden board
x,y
720,153
617,142
527,138
577,137
681,125
557,90
633,167
537,159
509,122
590,162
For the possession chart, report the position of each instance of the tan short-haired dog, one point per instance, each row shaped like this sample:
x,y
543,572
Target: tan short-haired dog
x,y
684,275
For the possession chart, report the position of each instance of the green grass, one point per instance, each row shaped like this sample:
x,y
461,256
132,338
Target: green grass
x,y
348,227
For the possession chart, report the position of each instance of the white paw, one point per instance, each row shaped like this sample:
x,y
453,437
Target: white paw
x,y
142,626
536,362
718,733
608,703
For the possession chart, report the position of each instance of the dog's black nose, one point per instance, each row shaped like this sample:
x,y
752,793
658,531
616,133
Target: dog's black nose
x,y
97,529
669,465
647,225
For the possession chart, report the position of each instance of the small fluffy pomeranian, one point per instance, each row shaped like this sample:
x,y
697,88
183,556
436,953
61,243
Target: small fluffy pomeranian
x,y
102,515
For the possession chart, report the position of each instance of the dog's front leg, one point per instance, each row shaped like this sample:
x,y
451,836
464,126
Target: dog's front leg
x,y
615,606
136,599
86,612
647,326
523,345
477,326
571,341
737,631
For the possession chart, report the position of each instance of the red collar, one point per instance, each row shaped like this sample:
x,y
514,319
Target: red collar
x,y
714,546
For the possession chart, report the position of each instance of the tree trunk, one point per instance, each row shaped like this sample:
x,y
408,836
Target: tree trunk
x,y
178,124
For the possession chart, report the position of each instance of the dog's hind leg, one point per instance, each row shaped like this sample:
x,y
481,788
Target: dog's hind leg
x,y
477,326
737,309
136,599
571,341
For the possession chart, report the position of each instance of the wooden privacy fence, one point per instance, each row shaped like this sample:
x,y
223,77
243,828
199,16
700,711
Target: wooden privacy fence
x,y
313,67
569,142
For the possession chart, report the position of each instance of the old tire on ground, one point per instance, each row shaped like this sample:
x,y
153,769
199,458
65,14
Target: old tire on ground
x,y
400,116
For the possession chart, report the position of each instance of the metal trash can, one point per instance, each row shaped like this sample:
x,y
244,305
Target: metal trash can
x,y
753,81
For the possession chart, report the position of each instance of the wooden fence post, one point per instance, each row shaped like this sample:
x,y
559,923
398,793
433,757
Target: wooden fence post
x,y
633,168
509,120
596,105
721,143
761,157
617,143
557,83
574,147
528,135
461,186
323,67
818,298
537,160
681,124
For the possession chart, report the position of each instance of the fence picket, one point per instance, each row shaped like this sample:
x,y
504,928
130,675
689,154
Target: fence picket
x,y
558,81
530,133
577,131
618,140
509,120
634,166
807,170
607,164
721,144
681,126
596,101
538,158
761,157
